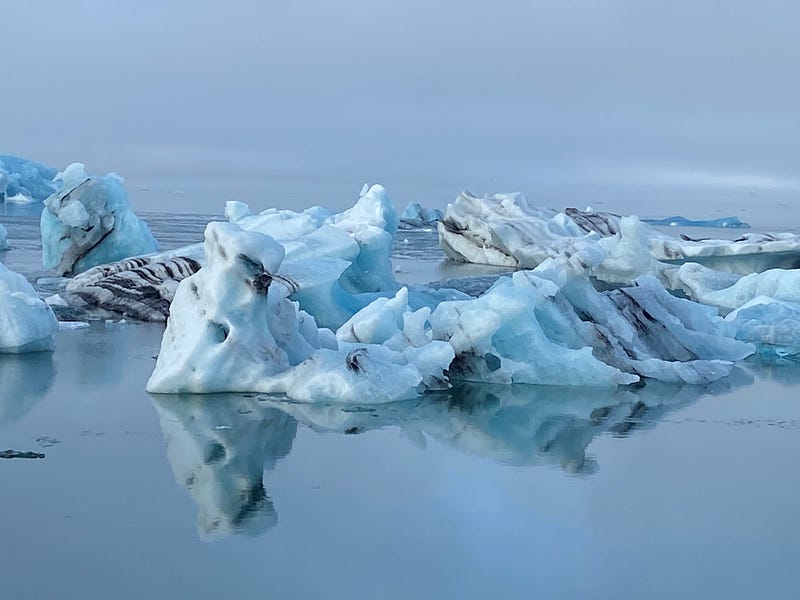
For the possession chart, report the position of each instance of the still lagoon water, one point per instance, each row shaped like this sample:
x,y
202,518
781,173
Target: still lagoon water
x,y
479,492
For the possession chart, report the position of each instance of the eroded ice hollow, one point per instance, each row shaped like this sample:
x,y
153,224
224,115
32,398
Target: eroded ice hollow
x,y
88,222
233,328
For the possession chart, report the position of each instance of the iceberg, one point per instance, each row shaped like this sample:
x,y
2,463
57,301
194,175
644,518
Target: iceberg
x,y
678,221
24,180
88,223
337,263
233,328
506,230
416,215
27,324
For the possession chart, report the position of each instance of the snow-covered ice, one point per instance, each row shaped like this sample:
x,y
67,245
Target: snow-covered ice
x,y
27,324
23,180
89,222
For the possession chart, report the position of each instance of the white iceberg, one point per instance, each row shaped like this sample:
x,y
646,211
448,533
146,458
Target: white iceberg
x,y
506,230
23,180
89,222
232,328
27,324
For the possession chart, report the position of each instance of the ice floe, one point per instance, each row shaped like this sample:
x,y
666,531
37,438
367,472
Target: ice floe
x,y
88,222
27,324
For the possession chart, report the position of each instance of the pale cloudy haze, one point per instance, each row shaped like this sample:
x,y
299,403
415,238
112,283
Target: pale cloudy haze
x,y
617,104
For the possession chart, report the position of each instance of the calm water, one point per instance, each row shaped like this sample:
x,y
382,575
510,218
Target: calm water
x,y
658,492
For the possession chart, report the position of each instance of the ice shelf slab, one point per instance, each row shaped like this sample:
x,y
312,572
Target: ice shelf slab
x,y
89,222
23,180
232,328
506,230
27,324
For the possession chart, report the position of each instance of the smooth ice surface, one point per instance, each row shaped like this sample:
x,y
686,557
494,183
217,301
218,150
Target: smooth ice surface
x,y
23,180
678,221
89,222
505,229
27,324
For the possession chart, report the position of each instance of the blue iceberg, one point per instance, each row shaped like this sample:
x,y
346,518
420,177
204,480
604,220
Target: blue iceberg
x,y
23,180
678,221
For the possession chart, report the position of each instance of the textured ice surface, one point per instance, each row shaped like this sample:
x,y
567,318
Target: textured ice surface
x,y
232,328
678,221
505,229
88,223
337,263
416,215
3,238
24,180
27,324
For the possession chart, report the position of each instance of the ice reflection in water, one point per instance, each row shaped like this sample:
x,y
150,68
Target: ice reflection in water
x,y
219,445
24,380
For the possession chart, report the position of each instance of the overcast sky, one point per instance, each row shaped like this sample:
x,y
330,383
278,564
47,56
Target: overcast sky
x,y
304,101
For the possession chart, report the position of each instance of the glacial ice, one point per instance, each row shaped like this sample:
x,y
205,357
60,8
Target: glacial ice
x,y
416,215
27,324
337,263
89,222
232,328
506,230
23,180
3,238
678,221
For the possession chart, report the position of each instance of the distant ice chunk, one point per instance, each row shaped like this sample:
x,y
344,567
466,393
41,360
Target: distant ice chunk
x,y
416,215
88,223
23,180
678,221
27,324
3,238
505,230
235,210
